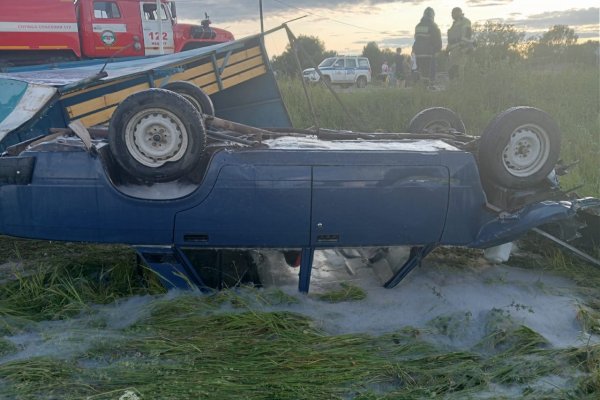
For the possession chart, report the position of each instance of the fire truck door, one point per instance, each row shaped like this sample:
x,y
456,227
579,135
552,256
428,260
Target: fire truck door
x,y
157,29
110,31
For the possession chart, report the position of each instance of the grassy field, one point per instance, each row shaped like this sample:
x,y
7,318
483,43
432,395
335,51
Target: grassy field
x,y
569,93
85,322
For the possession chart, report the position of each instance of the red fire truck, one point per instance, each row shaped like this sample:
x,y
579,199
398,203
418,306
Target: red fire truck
x,y
33,31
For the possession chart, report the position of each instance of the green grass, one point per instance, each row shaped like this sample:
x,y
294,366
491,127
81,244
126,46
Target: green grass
x,y
346,292
570,95
60,280
188,348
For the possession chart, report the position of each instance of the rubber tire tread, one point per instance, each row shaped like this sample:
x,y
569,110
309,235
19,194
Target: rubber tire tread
x,y
361,82
418,123
495,137
188,88
174,103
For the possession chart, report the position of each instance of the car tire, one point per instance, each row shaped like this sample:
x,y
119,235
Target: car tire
x,y
156,135
361,82
519,148
194,95
436,120
327,80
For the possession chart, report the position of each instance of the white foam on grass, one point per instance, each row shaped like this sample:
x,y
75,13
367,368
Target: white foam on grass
x,y
464,298
546,304
101,324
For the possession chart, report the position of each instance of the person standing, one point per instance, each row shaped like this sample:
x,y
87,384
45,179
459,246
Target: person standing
x,y
428,42
402,63
460,43
385,68
385,73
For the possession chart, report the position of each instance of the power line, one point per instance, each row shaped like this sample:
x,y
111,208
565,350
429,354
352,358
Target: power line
x,y
331,19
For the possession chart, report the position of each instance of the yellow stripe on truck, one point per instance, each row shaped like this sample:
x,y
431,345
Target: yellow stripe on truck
x,y
98,117
110,99
237,79
241,66
244,65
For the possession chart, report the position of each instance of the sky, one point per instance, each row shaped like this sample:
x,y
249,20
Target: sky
x,y
346,26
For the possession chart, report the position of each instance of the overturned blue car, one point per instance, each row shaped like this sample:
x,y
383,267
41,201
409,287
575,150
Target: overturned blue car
x,y
186,167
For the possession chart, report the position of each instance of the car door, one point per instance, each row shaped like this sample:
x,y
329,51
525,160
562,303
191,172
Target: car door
x,y
251,206
157,27
110,32
378,205
338,74
351,72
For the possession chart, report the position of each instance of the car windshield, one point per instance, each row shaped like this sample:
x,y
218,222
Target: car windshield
x,y
328,62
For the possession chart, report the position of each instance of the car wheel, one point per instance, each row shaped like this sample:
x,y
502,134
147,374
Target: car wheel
x,y
156,135
327,80
519,148
194,95
361,82
436,120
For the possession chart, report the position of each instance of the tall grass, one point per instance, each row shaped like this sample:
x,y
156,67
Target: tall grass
x,y
569,93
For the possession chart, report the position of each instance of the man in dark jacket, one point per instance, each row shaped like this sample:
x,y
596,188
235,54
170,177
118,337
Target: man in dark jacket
x,y
428,42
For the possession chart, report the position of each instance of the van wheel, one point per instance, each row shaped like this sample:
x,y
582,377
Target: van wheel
x,y
361,82
194,95
436,120
519,148
156,135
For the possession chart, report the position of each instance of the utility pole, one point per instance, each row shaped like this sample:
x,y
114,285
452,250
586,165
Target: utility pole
x,y
262,26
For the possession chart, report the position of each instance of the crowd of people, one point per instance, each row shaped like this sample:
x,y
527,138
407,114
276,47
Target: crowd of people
x,y
421,65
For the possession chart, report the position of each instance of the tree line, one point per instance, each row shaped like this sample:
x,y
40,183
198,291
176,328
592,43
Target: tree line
x,y
496,44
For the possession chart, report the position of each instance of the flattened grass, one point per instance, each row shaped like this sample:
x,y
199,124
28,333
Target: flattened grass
x,y
59,280
346,292
220,346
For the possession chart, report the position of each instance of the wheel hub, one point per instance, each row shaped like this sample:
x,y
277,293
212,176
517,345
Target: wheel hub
x,y
156,136
526,152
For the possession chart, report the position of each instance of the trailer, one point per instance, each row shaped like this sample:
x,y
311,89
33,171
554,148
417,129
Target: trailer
x,y
236,76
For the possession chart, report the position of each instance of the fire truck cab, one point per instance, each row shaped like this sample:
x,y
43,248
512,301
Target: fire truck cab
x,y
56,30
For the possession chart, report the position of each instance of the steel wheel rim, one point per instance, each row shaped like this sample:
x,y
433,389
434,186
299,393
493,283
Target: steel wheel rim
x,y
527,151
155,136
